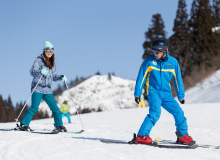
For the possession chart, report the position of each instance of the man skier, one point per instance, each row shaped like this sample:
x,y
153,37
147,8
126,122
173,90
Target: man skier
x,y
157,71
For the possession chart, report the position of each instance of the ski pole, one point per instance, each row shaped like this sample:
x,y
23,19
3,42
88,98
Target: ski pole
x,y
74,105
28,99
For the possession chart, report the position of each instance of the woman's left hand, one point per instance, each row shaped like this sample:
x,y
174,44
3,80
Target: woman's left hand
x,y
64,78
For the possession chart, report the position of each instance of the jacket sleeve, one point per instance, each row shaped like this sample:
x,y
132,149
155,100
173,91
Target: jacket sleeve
x,y
36,68
141,79
178,82
55,76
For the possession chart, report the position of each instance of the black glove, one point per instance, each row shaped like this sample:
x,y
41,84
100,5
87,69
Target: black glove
x,y
182,101
137,99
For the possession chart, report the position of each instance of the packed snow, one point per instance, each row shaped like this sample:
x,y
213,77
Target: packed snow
x,y
202,116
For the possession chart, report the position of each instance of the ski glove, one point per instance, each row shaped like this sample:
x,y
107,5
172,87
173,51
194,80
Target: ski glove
x,y
64,78
137,99
182,101
44,71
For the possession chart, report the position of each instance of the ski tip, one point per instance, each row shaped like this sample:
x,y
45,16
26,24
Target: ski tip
x,y
81,131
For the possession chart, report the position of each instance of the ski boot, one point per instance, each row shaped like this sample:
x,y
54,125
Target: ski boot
x,y
186,139
143,139
23,127
60,129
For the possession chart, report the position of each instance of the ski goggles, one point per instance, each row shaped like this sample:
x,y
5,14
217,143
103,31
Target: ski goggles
x,y
154,50
49,50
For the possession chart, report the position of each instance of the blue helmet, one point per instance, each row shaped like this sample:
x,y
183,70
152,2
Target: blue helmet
x,y
158,46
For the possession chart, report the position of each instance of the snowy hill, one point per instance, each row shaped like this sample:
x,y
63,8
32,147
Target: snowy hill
x,y
98,93
207,91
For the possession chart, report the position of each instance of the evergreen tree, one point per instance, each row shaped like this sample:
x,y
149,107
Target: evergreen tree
x,y
10,112
18,108
156,31
72,83
98,73
179,41
58,91
3,116
109,77
203,44
216,10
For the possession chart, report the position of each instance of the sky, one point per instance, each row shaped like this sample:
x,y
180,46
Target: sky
x,y
88,36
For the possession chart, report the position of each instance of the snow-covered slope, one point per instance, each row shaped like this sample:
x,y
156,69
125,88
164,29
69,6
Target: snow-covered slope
x,y
203,125
207,91
98,93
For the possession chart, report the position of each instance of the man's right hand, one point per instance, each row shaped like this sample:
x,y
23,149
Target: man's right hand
x,y
137,99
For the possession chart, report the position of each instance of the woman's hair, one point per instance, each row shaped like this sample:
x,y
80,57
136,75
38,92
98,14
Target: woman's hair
x,y
50,62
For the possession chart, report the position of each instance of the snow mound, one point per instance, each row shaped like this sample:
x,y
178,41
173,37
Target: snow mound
x,y
207,91
98,93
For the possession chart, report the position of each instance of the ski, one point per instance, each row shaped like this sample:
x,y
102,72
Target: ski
x,y
79,132
33,131
158,139
155,143
8,129
43,131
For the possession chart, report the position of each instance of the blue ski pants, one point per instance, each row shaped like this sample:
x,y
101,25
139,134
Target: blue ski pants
x,y
67,115
36,99
169,104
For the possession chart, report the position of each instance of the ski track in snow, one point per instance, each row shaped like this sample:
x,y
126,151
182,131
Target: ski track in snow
x,y
203,121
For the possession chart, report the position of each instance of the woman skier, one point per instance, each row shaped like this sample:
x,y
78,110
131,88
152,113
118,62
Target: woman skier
x,y
157,71
44,65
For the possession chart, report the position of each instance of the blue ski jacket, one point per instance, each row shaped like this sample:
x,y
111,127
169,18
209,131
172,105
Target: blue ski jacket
x,y
44,86
156,74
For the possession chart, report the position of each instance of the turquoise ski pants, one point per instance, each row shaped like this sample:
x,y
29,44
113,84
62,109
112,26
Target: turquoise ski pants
x,y
36,99
169,104
67,115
